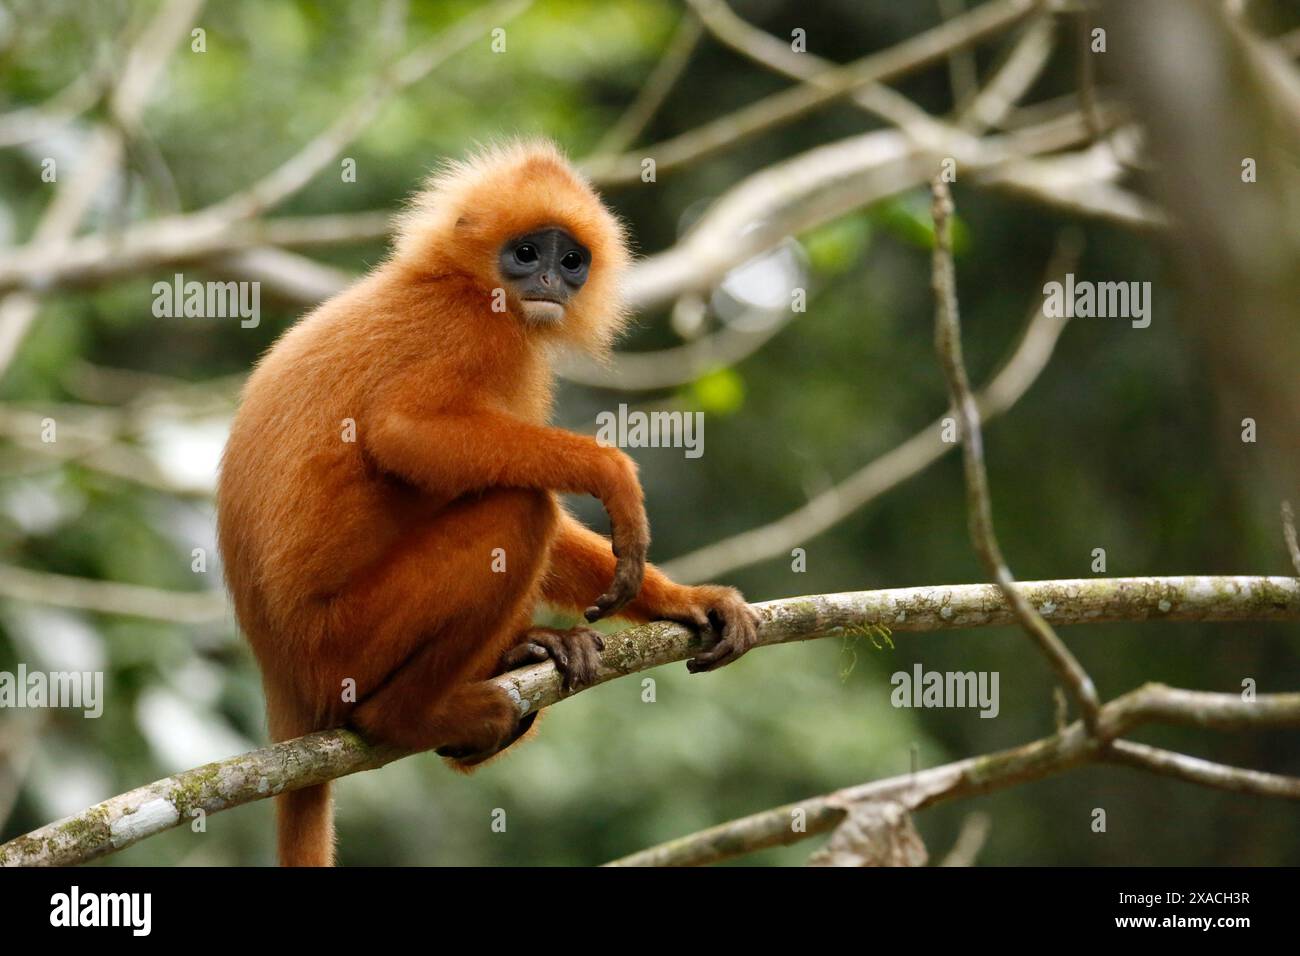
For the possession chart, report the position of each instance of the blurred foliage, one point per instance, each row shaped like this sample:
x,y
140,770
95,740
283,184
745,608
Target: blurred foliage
x,y
1119,445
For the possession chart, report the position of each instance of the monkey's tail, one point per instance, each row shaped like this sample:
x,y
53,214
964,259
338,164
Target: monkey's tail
x,y
305,826
304,819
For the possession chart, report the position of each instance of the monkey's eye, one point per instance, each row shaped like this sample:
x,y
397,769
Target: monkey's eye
x,y
572,261
526,253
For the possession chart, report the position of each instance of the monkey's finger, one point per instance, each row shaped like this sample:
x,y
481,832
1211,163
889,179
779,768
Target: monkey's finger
x,y
575,651
620,592
605,605
694,617
523,654
719,655
740,630
585,645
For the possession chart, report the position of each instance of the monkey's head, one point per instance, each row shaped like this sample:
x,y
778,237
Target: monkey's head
x,y
533,237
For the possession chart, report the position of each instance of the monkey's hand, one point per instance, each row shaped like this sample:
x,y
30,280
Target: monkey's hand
x,y
575,651
723,612
630,531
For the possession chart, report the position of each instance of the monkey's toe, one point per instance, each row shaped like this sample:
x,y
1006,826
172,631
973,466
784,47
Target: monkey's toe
x,y
575,651
521,655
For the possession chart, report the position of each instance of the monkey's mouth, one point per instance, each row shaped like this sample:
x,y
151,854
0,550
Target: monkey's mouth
x,y
543,311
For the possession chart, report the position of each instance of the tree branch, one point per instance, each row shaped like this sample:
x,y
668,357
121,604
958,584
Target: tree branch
x,y
788,105
1289,533
654,91
299,169
891,469
1151,703
113,597
101,156
130,817
947,336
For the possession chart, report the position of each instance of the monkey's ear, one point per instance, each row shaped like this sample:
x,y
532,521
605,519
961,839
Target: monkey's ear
x,y
463,222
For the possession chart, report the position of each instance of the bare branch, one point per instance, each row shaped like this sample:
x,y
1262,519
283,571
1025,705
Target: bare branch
x,y
776,55
654,91
1152,703
891,469
676,365
786,198
1288,532
177,240
1087,79
970,840
37,122
1203,772
1083,182
126,819
287,275
112,597
963,77
296,172
1082,185
948,343
102,155
772,111
992,104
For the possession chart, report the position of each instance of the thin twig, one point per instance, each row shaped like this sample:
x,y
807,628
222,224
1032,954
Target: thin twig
x,y
1289,533
948,344
895,466
299,169
101,156
1203,772
113,597
970,840
654,91
780,108
37,122
1087,79
1082,187
992,104
963,77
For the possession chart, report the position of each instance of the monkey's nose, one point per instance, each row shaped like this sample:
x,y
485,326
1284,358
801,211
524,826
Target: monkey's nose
x,y
547,278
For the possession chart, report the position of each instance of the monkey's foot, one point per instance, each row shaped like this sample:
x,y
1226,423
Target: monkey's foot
x,y
723,612
466,758
575,651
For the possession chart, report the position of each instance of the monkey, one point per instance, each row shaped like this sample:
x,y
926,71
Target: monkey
x,y
387,504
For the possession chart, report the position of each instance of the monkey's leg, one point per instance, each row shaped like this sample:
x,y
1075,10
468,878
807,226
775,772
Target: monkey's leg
x,y
436,617
575,651
580,560
472,719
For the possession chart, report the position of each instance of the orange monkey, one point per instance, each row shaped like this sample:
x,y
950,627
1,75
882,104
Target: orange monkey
x,y
394,438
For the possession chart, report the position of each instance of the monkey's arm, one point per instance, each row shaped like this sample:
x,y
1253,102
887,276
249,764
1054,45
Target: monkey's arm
x,y
455,453
581,561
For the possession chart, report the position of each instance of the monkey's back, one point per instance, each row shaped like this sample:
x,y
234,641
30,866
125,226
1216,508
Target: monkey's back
x,y
301,510
298,508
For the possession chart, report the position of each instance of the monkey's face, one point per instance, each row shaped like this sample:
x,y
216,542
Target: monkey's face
x,y
544,270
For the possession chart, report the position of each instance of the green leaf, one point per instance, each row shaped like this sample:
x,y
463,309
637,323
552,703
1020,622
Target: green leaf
x,y
721,391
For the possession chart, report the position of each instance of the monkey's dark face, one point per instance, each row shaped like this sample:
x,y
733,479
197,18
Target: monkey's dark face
x,y
544,269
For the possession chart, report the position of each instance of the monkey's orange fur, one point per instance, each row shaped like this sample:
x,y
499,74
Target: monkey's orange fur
x,y
371,559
